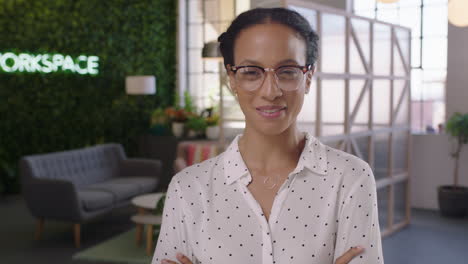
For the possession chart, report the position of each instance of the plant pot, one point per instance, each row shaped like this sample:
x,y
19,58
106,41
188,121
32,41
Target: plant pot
x,y
178,129
192,133
212,132
453,200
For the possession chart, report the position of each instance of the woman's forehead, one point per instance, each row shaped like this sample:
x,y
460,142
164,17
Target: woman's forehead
x,y
278,63
270,43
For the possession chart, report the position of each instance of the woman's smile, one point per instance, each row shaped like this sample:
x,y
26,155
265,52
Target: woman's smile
x,y
271,112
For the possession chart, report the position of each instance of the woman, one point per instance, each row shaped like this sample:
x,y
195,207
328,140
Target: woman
x,y
276,195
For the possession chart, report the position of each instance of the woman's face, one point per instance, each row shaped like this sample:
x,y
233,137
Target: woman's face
x,y
270,45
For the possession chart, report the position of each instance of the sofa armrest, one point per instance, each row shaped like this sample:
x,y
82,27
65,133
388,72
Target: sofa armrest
x,y
140,167
52,198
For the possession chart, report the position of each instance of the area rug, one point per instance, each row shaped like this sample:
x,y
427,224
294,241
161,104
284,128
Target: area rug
x,y
119,249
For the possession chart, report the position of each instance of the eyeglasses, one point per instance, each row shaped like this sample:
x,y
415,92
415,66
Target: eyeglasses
x,y
287,77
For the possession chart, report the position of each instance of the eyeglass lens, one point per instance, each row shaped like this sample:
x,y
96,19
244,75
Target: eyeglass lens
x,y
287,78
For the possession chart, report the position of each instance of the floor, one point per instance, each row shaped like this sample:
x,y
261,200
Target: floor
x,y
430,239
56,246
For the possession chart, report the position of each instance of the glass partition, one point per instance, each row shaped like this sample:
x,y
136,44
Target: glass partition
x,y
363,87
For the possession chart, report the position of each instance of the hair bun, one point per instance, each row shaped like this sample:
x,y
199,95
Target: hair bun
x,y
221,37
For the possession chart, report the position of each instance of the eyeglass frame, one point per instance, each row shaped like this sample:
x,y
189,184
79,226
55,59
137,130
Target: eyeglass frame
x,y
304,70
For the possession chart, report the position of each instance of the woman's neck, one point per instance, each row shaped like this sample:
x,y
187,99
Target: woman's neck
x,y
270,152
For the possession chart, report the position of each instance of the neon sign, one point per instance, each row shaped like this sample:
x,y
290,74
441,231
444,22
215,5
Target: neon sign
x,y
48,63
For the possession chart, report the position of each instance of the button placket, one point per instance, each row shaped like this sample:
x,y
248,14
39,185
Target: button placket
x,y
266,232
268,249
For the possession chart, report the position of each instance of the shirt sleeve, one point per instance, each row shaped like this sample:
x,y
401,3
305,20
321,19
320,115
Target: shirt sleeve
x,y
173,236
359,222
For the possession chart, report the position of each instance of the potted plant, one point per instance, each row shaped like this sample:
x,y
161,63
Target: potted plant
x,y
453,199
212,127
158,122
196,126
178,117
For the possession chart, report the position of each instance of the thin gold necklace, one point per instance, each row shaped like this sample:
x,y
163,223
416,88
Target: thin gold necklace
x,y
270,184
267,182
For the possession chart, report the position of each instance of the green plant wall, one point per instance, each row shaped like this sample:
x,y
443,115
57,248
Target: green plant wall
x,y
41,113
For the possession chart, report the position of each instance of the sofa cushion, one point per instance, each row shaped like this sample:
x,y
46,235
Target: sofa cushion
x,y
95,200
81,166
146,184
121,191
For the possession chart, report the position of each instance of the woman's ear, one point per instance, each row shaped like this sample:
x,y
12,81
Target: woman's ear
x,y
309,76
232,81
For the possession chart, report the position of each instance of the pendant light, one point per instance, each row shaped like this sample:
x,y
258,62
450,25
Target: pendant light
x,y
457,13
387,1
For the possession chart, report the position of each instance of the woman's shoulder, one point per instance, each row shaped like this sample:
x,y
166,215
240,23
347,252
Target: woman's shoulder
x,y
351,167
206,169
199,176
344,158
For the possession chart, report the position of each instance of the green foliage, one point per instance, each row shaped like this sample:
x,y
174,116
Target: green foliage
x,y
176,99
43,113
158,116
160,205
189,107
457,127
196,123
158,211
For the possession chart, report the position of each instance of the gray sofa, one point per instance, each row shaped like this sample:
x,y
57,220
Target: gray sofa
x,y
78,185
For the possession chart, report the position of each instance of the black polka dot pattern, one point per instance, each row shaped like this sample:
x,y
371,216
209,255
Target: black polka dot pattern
x,y
327,205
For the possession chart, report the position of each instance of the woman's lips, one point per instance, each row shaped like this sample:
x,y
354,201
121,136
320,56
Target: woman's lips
x,y
271,113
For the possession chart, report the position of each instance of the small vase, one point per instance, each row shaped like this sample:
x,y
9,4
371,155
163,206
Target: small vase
x,y
212,132
177,129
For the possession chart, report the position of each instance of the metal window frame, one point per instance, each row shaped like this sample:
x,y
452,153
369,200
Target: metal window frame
x,y
422,5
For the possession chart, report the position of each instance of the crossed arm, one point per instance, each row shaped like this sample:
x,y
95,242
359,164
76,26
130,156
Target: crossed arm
x,y
344,259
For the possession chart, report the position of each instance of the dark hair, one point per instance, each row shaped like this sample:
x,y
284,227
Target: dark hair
x,y
256,16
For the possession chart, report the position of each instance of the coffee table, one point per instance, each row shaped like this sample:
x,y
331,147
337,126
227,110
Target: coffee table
x,y
145,204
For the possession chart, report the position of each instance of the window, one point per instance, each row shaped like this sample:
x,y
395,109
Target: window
x,y
428,22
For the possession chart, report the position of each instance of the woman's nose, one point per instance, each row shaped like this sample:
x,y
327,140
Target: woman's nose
x,y
269,88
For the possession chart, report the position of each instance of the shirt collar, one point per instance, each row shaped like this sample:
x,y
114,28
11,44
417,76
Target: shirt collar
x,y
313,157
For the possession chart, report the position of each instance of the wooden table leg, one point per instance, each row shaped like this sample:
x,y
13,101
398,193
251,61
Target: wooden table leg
x,y
140,227
39,228
139,234
149,240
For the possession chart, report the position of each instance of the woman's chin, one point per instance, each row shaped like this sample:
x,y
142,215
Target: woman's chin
x,y
271,128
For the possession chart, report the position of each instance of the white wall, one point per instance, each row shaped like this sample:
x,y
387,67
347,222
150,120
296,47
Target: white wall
x,y
432,166
457,70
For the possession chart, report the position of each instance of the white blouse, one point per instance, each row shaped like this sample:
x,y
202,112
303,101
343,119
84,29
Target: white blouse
x,y
327,205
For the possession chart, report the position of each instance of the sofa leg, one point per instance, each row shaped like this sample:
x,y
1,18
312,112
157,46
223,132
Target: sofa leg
x,y
77,235
39,228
